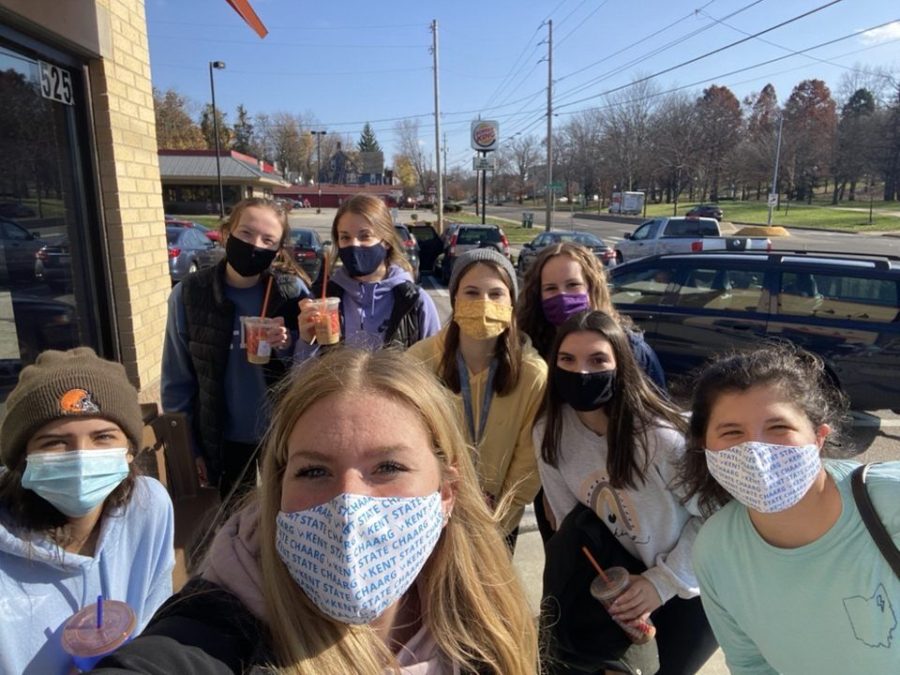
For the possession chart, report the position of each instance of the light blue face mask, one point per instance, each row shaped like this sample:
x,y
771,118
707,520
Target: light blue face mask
x,y
77,481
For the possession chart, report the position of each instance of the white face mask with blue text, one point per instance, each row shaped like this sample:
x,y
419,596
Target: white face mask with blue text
x,y
356,555
763,476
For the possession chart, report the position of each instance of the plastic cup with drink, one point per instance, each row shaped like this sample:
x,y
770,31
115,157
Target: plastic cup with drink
x,y
255,337
607,588
97,631
328,325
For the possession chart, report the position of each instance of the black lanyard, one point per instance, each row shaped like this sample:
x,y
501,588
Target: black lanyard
x,y
466,391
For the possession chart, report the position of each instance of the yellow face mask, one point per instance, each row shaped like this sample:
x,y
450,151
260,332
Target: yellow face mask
x,y
482,319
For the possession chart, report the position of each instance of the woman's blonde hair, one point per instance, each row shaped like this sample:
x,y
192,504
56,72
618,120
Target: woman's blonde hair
x,y
376,212
473,603
530,312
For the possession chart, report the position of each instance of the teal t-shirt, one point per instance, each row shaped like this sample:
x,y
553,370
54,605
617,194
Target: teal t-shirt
x,y
832,606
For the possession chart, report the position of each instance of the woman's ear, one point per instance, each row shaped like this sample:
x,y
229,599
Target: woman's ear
x,y
821,434
449,487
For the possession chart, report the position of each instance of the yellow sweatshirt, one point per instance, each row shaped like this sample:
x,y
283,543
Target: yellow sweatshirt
x,y
506,458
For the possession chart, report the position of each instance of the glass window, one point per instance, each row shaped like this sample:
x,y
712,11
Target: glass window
x,y
474,235
838,296
303,238
690,228
645,231
42,207
641,287
718,288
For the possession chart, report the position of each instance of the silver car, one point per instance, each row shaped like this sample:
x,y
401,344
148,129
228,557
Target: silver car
x,y
190,251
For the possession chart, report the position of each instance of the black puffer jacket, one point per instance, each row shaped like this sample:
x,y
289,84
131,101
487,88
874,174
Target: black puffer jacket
x,y
210,322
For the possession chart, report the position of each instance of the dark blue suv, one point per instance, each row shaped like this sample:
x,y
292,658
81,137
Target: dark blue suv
x,y
843,307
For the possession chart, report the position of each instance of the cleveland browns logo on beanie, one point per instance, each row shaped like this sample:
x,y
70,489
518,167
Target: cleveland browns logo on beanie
x,y
77,402
63,383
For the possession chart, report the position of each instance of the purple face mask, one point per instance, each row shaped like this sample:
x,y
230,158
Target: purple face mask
x,y
560,307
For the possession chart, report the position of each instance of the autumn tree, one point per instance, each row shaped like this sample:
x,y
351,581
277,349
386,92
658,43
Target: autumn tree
x,y
810,124
243,132
175,129
208,129
719,119
756,151
887,145
405,172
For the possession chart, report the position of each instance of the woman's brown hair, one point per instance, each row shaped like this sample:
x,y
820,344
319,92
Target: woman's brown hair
x,y
530,312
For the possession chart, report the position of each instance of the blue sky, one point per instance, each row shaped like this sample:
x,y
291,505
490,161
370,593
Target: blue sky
x,y
345,63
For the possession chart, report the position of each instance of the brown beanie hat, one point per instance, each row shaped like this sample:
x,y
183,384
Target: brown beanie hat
x,y
62,384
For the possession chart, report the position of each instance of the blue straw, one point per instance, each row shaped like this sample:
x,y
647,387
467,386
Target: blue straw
x,y
99,611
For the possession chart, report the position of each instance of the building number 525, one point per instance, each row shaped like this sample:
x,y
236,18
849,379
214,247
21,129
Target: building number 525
x,y
56,83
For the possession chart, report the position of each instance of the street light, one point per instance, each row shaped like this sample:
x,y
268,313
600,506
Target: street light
x,y
318,135
217,65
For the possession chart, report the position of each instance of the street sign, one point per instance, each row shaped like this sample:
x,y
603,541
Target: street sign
x,y
483,164
773,199
555,186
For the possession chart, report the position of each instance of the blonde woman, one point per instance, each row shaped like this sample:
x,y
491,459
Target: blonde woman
x,y
369,548
380,302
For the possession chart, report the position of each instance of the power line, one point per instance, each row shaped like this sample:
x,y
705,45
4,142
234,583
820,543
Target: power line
x,y
707,54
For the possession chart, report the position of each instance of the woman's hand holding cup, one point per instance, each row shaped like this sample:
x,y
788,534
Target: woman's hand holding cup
x,y
278,336
309,317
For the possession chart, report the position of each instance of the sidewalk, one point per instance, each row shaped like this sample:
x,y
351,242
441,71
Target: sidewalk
x,y
529,562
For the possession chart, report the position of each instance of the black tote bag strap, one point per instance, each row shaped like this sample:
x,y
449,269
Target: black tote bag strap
x,y
870,518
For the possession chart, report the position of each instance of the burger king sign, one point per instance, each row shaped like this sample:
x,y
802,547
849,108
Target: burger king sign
x,y
485,135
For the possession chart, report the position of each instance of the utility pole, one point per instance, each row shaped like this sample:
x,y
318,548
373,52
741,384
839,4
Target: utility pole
x,y
217,65
444,151
775,173
437,127
318,135
549,190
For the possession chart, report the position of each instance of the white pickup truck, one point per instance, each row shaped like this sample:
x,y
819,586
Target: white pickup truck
x,y
683,235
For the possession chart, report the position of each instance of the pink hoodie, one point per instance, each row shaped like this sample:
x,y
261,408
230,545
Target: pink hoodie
x,y
233,564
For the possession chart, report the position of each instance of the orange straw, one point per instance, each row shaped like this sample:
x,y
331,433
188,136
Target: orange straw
x,y
594,563
266,297
324,275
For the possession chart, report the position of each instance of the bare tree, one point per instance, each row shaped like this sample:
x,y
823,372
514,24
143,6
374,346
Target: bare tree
x,y
625,124
676,133
407,133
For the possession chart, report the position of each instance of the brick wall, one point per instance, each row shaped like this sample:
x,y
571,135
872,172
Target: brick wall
x,y
131,191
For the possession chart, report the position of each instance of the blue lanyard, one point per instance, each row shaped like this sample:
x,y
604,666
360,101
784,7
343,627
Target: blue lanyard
x,y
466,391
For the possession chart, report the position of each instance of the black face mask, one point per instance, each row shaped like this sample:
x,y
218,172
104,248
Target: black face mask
x,y
585,391
246,259
361,261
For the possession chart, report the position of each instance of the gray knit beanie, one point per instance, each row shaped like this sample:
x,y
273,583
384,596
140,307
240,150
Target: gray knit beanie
x,y
477,255
62,384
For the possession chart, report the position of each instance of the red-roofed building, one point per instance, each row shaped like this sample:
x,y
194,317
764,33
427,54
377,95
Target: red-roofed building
x,y
335,195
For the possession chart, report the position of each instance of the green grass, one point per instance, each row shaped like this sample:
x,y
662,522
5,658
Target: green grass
x,y
801,215
212,222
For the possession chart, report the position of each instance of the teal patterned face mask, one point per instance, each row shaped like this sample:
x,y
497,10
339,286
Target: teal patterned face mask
x,y
763,476
76,481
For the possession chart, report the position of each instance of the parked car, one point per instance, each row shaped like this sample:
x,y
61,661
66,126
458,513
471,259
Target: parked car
x,y
212,235
845,307
430,244
468,237
682,235
605,254
706,211
16,210
18,247
190,251
309,251
53,265
40,324
410,249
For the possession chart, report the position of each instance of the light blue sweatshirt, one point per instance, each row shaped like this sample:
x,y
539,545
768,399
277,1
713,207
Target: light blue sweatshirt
x,y
41,586
366,308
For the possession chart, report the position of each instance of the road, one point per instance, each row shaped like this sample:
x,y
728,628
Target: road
x,y
872,436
